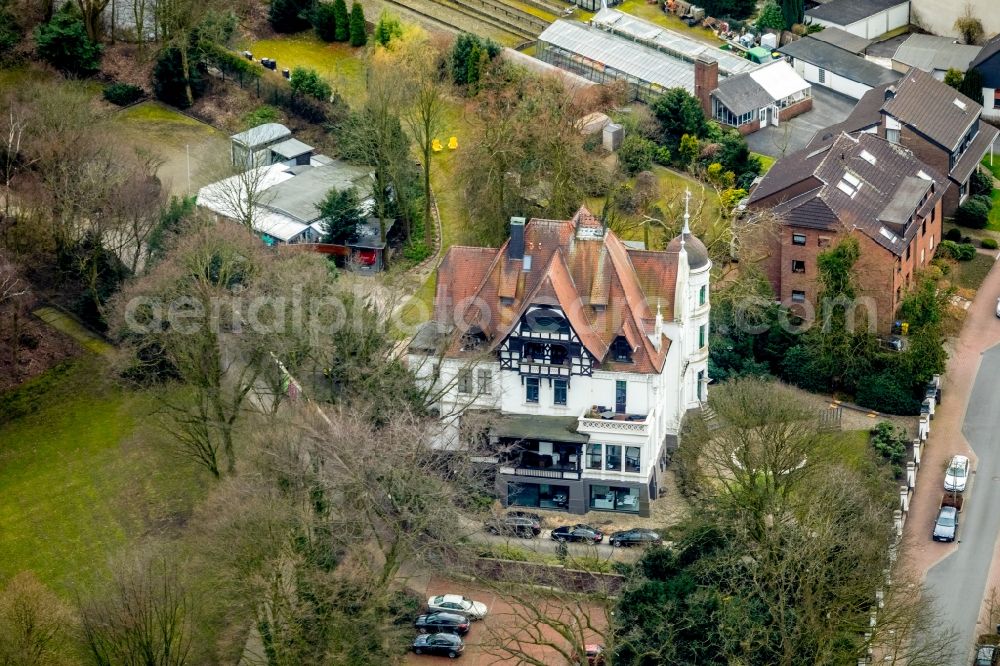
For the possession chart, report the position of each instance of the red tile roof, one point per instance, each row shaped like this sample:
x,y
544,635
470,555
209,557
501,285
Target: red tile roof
x,y
604,289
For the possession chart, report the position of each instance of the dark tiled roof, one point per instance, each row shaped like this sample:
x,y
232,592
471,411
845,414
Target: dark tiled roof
x,y
842,39
860,176
974,153
866,113
846,12
933,108
741,94
991,71
787,171
840,62
573,266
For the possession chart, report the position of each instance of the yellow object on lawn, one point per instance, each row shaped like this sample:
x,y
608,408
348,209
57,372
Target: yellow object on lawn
x,y
436,146
453,143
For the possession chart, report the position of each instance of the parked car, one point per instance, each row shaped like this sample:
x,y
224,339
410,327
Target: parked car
x,y
957,474
636,537
456,603
584,533
946,524
986,655
445,644
513,526
594,653
442,623
518,513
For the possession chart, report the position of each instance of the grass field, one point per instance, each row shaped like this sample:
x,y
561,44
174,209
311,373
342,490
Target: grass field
x,y
653,13
970,274
81,476
341,65
765,160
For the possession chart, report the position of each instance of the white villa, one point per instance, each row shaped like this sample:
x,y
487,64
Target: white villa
x,y
580,352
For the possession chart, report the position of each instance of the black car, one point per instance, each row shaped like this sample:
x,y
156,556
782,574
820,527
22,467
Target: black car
x,y
513,526
517,513
445,644
442,623
636,537
584,533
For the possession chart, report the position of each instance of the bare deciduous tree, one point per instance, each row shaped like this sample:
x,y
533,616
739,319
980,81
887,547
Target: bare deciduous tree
x,y
34,623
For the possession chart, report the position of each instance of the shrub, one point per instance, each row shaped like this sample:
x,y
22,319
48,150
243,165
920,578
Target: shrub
x,y
953,234
10,34
981,183
662,156
889,441
307,82
324,21
387,29
688,150
957,251
63,43
359,32
261,115
988,243
636,154
416,252
169,78
973,214
888,392
770,17
123,94
288,15
343,21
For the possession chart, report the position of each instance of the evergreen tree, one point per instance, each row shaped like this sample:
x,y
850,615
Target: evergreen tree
x,y
793,11
972,86
359,33
678,112
953,77
341,215
324,20
771,17
342,20
289,15
63,43
170,81
387,29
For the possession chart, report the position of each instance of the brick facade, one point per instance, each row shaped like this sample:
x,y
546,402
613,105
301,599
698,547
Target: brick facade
x,y
706,79
793,110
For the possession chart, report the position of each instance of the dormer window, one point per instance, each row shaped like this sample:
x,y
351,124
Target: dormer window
x,y
473,339
621,350
545,320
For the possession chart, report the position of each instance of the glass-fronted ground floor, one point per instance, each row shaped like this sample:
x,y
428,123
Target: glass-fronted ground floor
x,y
577,496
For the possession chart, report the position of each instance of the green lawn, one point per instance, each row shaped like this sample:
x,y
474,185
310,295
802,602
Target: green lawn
x,y
994,222
970,274
766,161
83,475
851,447
340,64
995,167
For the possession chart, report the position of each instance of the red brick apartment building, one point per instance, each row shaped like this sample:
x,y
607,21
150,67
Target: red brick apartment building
x,y
860,185
940,126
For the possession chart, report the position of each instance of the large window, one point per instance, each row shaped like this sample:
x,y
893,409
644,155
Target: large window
x,y
620,396
485,382
465,381
559,392
892,135
595,458
633,459
540,495
613,457
614,498
531,389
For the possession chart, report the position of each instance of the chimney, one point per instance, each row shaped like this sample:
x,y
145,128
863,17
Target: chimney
x,y
515,249
706,79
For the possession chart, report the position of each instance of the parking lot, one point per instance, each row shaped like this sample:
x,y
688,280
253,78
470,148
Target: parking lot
x,y
508,632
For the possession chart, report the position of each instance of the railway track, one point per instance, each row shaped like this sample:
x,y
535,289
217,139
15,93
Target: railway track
x,y
466,11
519,21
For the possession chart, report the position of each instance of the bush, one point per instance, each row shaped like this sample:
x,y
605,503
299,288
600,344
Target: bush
x,y
10,34
988,243
169,78
888,392
63,43
889,441
980,183
662,156
953,234
770,17
957,251
123,94
636,154
324,21
359,31
261,115
307,82
387,29
288,15
416,252
974,214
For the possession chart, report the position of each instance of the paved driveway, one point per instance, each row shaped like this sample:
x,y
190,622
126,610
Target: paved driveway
x,y
957,574
829,108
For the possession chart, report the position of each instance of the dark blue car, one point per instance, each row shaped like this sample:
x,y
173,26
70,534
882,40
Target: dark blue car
x,y
448,645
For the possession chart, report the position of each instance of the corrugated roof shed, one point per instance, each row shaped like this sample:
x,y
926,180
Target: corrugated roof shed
x,y
846,12
839,61
262,135
291,148
930,52
299,197
842,39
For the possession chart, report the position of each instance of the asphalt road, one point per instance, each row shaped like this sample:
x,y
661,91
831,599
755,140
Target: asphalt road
x,y
543,543
958,582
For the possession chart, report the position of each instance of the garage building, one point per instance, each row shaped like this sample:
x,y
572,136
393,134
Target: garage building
x,y
824,64
864,18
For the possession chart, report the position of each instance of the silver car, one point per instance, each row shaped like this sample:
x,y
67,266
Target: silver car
x,y
456,603
957,475
946,525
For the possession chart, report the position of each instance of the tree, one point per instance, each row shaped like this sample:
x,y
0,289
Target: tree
x,y
142,618
359,32
688,150
970,26
34,622
972,86
241,195
636,154
288,15
174,82
771,17
793,12
11,33
466,58
91,11
63,43
341,215
953,77
974,214
387,29
306,81
324,20
342,20
678,113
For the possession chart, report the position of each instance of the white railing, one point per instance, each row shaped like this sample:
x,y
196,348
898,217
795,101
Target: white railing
x,y
611,425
